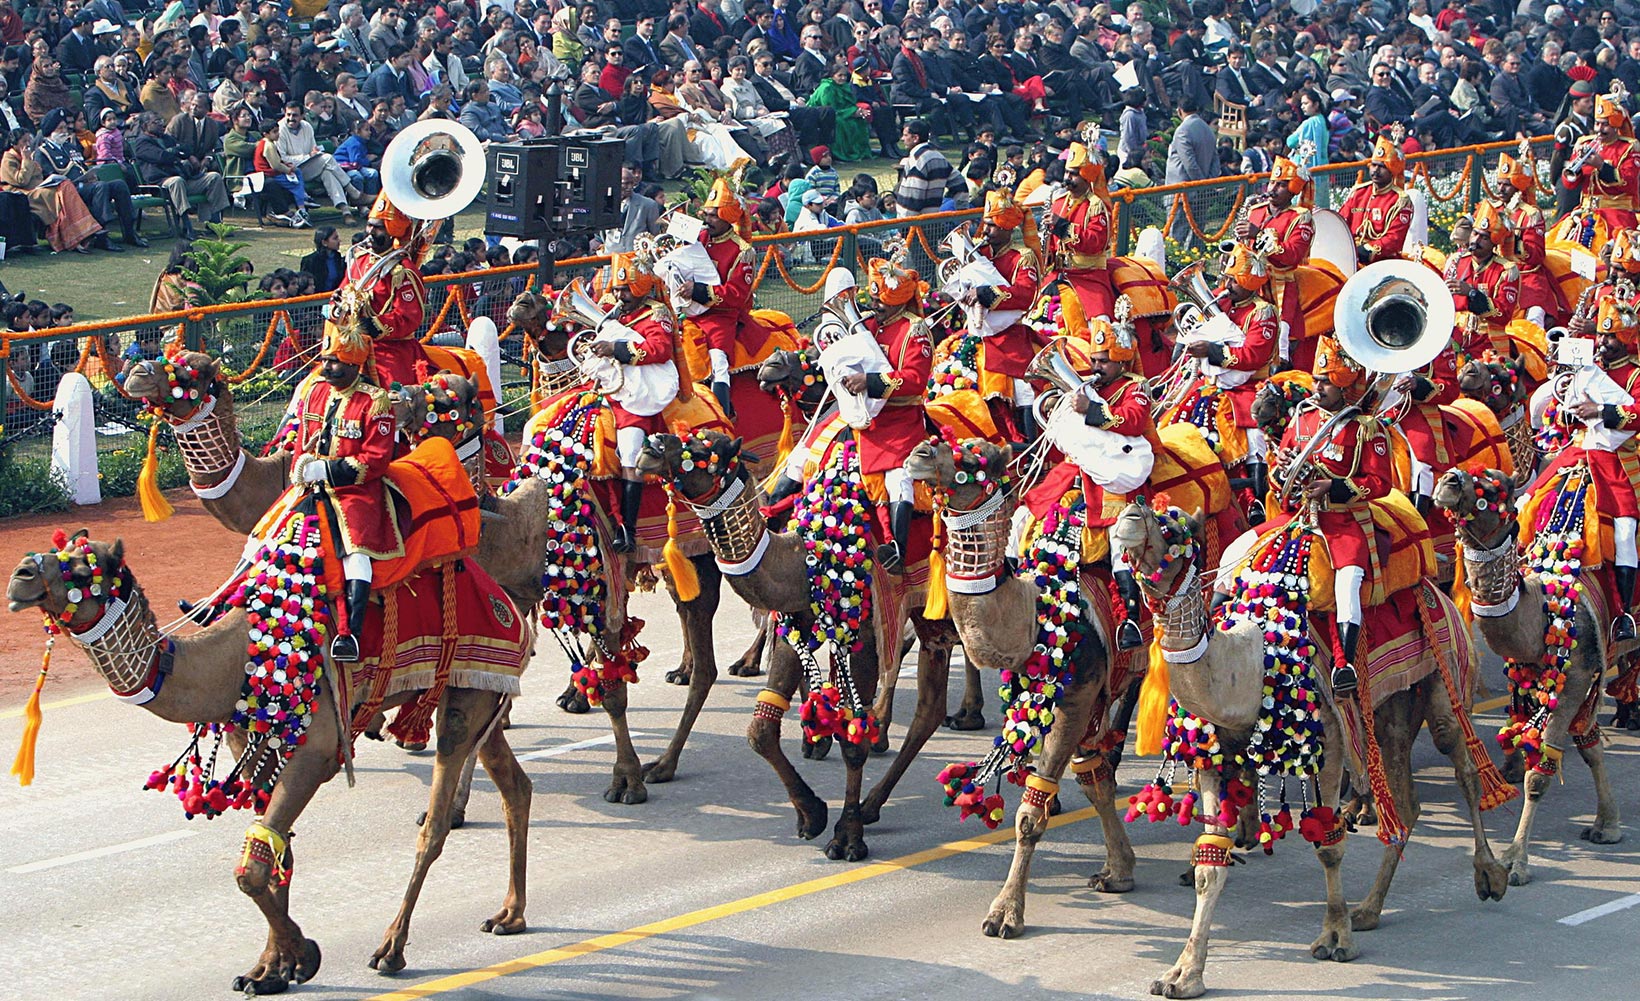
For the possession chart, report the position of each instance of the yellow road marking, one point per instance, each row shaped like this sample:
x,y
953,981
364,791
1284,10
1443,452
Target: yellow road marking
x,y
60,703
615,940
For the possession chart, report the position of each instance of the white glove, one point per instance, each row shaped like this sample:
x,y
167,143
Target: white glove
x,y
315,471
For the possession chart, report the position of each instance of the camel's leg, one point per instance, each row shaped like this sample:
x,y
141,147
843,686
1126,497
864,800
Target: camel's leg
x,y
933,674
1100,788
1006,918
696,617
464,792
970,714
627,784
516,790
1491,878
288,956
462,718
750,663
1336,941
848,839
1608,827
763,733
1397,725
1184,978
681,674
888,677
1556,735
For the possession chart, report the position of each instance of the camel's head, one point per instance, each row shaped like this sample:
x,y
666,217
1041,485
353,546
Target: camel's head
x,y
72,581
1500,385
1480,502
442,406
794,373
175,384
969,471
1276,400
699,466
1159,545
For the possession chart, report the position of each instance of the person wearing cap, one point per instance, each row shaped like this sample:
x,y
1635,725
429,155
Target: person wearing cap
x,y
1006,354
1541,300
1606,177
900,426
59,152
812,213
1285,216
1378,211
1577,123
822,177
1346,469
726,322
1079,231
1611,454
643,334
345,438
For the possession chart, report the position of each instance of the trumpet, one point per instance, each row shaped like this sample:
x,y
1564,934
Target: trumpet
x,y
1584,154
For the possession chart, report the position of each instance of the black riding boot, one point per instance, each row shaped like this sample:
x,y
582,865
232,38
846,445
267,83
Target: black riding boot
x,y
892,555
1623,625
1259,473
785,487
721,391
626,533
1128,636
1343,676
1026,417
344,649
1424,505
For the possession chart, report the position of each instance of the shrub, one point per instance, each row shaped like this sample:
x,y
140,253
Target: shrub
x,y
31,486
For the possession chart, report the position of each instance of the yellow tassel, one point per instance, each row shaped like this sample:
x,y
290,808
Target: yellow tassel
x,y
154,505
787,442
936,607
684,579
1153,699
23,766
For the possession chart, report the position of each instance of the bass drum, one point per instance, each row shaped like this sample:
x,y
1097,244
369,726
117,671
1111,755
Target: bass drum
x,y
1333,241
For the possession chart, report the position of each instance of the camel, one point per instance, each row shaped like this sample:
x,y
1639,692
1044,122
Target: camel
x,y
1218,675
515,540
769,572
206,679
1503,388
998,628
1508,608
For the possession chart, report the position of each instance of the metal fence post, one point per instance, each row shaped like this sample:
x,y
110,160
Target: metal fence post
x,y
850,255
1124,226
5,383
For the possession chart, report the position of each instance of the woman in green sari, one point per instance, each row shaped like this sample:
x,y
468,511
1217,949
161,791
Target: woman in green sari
x,y
853,140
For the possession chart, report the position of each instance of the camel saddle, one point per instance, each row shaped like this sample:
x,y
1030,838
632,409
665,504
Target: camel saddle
x,y
1318,285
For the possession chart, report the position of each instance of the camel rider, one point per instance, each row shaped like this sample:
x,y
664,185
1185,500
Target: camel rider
x,y
1604,170
1350,467
1621,282
1540,298
1121,406
383,292
1284,223
345,441
1079,231
641,339
1486,284
1008,352
1378,212
896,430
1603,436
843,354
727,317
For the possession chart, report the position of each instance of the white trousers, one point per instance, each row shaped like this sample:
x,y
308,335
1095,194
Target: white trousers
x,y
720,365
1024,393
898,485
629,445
1623,537
1257,446
1347,583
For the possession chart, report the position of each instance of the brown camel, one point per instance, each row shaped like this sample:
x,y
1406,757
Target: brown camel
x,y
1503,388
767,570
1218,675
206,679
998,626
1508,607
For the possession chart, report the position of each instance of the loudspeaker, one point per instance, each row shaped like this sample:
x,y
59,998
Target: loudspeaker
x,y
544,188
521,185
589,172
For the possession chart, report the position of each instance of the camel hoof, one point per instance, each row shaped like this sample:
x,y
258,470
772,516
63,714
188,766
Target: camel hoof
x,y
1602,836
308,966
1331,946
1362,921
1004,921
458,819
574,703
1514,768
1519,874
1107,882
811,818
420,745
1181,988
677,677
964,719
273,984
626,793
871,811
1188,878
1491,881
745,669
880,745
660,770
816,750
504,923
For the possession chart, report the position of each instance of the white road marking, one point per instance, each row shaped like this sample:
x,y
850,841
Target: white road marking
x,y
96,853
579,745
1609,907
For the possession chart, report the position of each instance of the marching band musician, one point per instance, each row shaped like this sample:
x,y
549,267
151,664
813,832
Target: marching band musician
x,y
1346,470
1079,231
1378,211
1622,280
1291,230
392,302
345,441
1008,352
1611,457
1540,297
727,318
637,413
1605,172
1123,407
897,429
1485,284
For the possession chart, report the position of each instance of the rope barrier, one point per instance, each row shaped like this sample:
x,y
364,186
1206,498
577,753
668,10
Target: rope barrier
x,y
267,339
792,283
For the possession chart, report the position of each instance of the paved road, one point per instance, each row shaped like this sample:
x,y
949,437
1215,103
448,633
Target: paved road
x,y
703,892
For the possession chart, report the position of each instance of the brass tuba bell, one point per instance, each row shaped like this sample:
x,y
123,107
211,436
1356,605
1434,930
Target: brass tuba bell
x,y
1053,365
962,249
1394,316
433,169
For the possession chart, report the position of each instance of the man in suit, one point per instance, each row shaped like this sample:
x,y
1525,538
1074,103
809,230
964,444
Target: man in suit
x,y
392,77
815,126
196,132
78,49
1266,75
812,64
1193,155
1232,84
1547,82
1512,102
677,48
910,82
641,55
706,25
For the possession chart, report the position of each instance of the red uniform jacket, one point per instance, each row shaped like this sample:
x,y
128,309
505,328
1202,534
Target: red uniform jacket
x,y
1537,286
1499,282
1614,186
1615,491
655,325
353,430
1294,230
397,300
1357,453
1082,256
1379,219
729,304
1261,328
897,429
1010,351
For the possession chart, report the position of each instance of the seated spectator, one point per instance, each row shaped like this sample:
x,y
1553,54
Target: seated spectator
x,y
60,154
298,149
813,215
157,97
46,89
159,161
326,264
527,121
851,133
440,103
822,177
319,108
281,177
484,116
231,91
239,143
56,203
923,172
109,90
353,156
110,143
197,134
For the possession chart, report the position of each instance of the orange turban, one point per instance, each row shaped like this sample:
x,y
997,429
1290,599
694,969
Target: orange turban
x,y
1332,364
1626,250
1490,218
1515,172
346,343
725,202
398,224
1387,152
1617,319
626,272
893,285
1610,110
1090,164
1249,270
1285,171
1001,210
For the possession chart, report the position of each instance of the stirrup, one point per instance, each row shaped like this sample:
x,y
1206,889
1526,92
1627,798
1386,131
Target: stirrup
x,y
1255,513
1128,636
1344,681
344,649
623,540
1623,627
888,557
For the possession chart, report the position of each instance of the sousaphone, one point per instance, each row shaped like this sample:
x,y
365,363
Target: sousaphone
x,y
433,169
1333,241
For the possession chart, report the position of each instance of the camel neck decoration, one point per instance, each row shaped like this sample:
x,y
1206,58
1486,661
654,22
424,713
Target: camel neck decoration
x,y
1556,556
972,543
834,522
283,595
735,528
574,580
958,371
1031,694
208,438
1491,571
